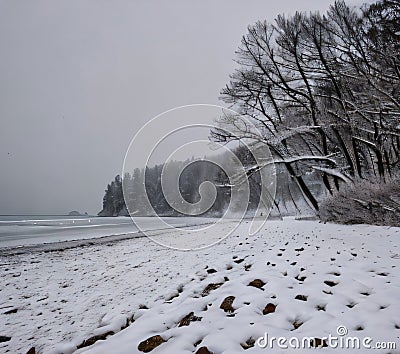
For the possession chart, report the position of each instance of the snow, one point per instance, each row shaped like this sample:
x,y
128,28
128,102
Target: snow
x,y
333,172
64,297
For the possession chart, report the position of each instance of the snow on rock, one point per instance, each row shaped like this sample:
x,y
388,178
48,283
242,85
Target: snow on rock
x,y
292,279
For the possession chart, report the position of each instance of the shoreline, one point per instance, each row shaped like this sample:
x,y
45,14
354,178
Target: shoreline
x,y
59,246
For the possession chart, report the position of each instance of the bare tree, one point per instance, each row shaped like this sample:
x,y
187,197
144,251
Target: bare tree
x,y
323,91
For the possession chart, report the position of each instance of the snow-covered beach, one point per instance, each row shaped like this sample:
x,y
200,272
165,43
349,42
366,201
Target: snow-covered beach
x,y
307,279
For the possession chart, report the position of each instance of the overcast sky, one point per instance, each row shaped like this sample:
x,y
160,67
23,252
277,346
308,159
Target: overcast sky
x,y
79,78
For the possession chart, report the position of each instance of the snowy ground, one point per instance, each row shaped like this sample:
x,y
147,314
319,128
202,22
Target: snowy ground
x,y
315,277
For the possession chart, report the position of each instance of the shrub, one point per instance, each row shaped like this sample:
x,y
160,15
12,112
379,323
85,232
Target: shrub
x,y
364,203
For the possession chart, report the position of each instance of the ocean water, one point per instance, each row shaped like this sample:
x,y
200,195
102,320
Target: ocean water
x,y
23,230
20,230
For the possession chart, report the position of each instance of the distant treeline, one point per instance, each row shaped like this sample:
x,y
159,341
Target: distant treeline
x,y
288,196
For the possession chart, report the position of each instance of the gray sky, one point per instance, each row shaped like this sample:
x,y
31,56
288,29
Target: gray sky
x,y
79,78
